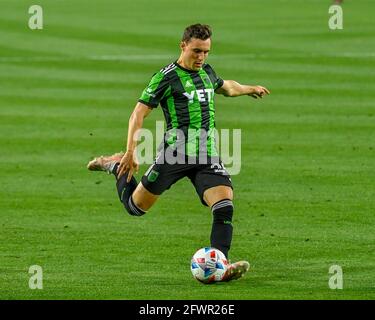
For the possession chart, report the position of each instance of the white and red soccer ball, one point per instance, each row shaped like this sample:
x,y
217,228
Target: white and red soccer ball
x,y
208,265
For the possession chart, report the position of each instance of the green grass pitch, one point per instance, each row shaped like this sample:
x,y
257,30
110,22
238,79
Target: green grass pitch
x,y
304,199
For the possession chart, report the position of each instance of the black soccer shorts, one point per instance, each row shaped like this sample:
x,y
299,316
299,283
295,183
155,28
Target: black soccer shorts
x,y
160,177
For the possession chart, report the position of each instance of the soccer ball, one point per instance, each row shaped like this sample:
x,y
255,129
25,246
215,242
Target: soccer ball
x,y
208,265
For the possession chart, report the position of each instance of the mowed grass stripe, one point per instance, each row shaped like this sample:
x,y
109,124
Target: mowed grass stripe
x,y
119,73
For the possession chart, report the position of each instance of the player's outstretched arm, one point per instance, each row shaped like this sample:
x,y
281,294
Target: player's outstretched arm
x,y
231,88
128,161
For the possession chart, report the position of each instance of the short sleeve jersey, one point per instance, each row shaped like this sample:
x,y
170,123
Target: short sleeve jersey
x,y
186,98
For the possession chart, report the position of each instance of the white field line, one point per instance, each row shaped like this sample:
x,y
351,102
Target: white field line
x,y
171,57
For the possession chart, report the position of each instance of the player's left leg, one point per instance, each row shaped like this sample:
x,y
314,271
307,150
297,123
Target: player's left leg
x,y
214,187
219,199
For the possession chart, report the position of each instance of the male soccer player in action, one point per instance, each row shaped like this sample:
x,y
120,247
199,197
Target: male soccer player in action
x,y
185,90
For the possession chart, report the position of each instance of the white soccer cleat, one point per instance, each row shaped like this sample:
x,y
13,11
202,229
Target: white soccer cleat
x,y
105,163
236,270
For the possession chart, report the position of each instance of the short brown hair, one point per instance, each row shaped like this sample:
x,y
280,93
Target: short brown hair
x,y
198,31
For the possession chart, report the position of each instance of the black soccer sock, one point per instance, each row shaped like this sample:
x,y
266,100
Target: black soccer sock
x,y
125,190
222,229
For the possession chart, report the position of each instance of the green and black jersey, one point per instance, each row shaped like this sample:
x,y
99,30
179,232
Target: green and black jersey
x,y
187,100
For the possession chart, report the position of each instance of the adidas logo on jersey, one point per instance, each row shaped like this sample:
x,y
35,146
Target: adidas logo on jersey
x,y
188,84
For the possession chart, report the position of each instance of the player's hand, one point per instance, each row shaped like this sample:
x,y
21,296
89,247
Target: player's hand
x,y
127,163
259,92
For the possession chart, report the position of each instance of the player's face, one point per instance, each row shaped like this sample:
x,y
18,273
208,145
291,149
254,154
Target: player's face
x,y
195,52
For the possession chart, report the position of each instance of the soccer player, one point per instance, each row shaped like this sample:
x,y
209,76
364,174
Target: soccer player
x,y
185,90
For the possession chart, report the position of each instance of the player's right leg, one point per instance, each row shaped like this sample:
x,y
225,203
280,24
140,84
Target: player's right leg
x,y
135,198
